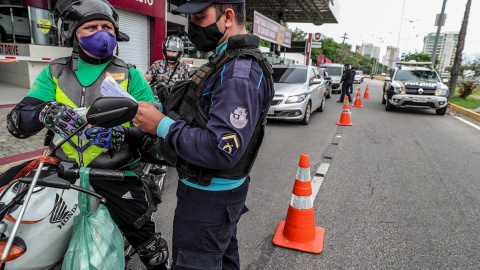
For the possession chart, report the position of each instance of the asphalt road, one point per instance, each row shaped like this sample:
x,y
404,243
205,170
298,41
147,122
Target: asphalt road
x,y
401,191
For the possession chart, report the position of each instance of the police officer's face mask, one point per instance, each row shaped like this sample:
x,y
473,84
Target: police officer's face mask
x,y
205,38
99,44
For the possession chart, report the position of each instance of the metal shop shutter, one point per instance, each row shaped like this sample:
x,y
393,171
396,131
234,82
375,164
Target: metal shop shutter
x,y
136,51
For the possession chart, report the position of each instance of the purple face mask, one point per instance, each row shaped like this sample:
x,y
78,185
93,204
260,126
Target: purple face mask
x,y
99,44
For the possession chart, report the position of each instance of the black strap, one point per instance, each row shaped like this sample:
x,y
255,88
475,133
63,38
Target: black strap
x,y
174,69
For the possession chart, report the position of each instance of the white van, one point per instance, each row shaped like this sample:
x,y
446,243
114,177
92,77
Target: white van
x,y
20,22
335,71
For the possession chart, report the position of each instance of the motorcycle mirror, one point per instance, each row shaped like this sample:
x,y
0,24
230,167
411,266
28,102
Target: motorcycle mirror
x,y
18,248
109,112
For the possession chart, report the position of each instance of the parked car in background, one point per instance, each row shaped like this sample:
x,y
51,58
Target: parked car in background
x,y
299,91
19,15
335,71
358,76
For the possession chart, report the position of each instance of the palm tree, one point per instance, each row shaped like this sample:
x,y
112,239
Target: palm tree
x,y
458,53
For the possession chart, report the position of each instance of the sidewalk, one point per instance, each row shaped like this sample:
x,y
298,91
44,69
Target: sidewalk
x,y
11,94
13,150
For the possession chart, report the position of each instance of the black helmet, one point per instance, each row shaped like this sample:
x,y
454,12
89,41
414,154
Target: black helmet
x,y
172,43
73,13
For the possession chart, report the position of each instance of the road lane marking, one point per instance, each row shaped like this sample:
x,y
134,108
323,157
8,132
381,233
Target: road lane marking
x,y
468,123
318,179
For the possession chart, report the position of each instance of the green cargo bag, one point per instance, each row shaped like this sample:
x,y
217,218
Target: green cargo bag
x,y
97,243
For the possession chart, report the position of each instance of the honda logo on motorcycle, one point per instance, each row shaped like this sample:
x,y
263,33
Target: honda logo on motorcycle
x,y
60,213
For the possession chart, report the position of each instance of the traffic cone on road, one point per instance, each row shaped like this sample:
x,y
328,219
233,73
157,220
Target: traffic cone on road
x,y
358,99
345,117
367,94
298,230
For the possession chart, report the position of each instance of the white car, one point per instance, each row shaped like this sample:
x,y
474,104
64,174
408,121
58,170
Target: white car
x,y
299,91
20,22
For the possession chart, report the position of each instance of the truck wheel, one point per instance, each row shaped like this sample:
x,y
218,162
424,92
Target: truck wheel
x,y
441,111
3,35
389,107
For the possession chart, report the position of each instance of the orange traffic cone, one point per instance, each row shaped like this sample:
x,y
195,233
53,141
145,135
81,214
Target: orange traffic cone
x,y
345,117
358,99
298,231
367,94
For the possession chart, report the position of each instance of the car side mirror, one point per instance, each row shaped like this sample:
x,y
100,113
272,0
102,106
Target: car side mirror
x,y
109,112
316,81
388,79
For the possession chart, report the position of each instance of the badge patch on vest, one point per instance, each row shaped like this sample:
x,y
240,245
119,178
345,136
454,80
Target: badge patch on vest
x,y
229,144
238,118
116,76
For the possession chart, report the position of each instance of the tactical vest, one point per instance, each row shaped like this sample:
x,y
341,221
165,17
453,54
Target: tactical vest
x,y
70,91
185,102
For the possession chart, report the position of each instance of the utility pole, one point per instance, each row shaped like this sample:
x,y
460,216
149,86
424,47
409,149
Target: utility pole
x,y
440,21
457,61
341,51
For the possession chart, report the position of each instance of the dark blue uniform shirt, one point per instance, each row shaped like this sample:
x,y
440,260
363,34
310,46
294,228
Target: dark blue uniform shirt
x,y
234,98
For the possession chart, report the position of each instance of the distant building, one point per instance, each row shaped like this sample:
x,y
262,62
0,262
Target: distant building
x,y
358,49
447,45
391,57
367,50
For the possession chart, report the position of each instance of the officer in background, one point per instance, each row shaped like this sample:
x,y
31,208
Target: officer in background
x,y
215,126
347,81
74,82
171,69
351,86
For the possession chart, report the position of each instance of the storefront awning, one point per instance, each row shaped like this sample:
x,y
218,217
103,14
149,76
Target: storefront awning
x,y
296,11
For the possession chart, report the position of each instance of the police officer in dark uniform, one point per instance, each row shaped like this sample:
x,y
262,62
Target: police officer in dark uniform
x,y
347,82
91,27
214,124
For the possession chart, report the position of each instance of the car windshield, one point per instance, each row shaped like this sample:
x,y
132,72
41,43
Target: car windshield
x,y
334,71
358,73
416,75
289,75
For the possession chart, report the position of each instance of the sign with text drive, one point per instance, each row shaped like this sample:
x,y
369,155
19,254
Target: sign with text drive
x,y
268,29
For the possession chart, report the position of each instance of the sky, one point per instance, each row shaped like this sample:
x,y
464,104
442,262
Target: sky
x,y
380,22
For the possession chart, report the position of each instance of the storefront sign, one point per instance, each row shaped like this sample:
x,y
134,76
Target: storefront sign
x,y
268,29
152,8
9,49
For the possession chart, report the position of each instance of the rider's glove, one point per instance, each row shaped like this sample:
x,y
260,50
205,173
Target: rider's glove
x,y
60,118
108,138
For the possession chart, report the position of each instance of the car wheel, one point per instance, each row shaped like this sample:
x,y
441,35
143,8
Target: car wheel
x,y
329,93
383,99
322,106
389,107
306,117
441,111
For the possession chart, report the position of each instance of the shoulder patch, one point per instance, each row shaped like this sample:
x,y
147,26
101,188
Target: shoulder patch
x,y
229,144
238,118
242,67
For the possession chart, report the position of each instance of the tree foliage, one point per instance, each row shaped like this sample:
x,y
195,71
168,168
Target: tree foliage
x,y
299,35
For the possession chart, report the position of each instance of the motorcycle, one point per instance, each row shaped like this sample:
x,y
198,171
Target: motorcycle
x,y
37,210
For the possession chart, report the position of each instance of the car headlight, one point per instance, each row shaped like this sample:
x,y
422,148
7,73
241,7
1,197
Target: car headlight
x,y
296,99
336,80
398,89
442,91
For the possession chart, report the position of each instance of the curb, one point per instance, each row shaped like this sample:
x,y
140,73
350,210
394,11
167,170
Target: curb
x,y
467,112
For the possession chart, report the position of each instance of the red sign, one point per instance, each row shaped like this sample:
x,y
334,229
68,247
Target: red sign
x,y
308,50
152,8
8,49
43,4
318,36
268,29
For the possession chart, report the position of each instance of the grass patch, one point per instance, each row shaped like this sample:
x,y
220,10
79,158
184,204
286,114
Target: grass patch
x,y
468,103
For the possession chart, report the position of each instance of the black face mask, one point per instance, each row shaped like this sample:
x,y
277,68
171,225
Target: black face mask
x,y
205,38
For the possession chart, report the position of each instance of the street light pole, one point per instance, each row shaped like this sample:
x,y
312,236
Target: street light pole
x,y
438,32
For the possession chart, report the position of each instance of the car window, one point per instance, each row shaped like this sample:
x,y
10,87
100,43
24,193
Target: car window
x,y
416,75
289,75
5,11
358,73
20,12
334,71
